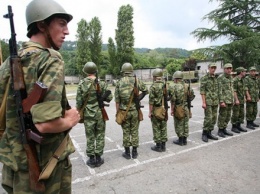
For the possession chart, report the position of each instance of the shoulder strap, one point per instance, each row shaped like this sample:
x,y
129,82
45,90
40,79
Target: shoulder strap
x,y
3,109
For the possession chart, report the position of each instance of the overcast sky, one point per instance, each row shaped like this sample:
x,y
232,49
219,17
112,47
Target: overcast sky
x,y
157,23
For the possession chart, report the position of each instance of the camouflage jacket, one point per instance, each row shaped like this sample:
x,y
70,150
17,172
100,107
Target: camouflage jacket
x,y
46,66
87,91
225,89
240,89
179,93
252,84
156,93
209,88
124,89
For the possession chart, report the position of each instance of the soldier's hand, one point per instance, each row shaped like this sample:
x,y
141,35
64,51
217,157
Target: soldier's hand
x,y
237,102
222,104
204,106
172,113
150,115
249,99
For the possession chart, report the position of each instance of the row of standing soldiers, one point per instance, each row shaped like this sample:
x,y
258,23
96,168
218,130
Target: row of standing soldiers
x,y
229,95
129,91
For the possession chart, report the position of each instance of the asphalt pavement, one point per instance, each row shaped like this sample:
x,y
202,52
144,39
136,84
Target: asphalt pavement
x,y
228,165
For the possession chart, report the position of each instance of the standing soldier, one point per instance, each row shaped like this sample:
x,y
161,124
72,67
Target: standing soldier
x,y
90,96
226,97
252,85
179,107
209,96
124,98
240,92
158,108
47,26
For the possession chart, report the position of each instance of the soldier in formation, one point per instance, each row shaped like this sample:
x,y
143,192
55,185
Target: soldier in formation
x,y
52,117
180,92
126,102
240,92
157,110
91,93
209,96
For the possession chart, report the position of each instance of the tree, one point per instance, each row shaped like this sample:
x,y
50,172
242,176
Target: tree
x,y
95,42
114,68
83,51
4,49
125,36
238,21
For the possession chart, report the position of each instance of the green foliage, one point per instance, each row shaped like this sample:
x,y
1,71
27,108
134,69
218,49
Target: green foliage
x,y
174,65
114,67
125,35
4,49
238,21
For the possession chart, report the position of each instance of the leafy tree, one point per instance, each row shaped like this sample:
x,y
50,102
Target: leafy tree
x,y
238,21
174,65
95,42
114,68
4,49
83,51
125,35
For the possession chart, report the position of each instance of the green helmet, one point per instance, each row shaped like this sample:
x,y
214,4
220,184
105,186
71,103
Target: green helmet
x,y
89,68
39,10
157,73
178,75
127,68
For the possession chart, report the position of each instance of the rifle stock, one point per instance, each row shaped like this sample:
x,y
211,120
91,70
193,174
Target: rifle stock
x,y
165,96
18,85
137,101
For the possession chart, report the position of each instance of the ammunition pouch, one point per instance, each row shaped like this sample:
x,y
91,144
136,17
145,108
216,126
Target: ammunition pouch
x,y
159,112
120,117
179,112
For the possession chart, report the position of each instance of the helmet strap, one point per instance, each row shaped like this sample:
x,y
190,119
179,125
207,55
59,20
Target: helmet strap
x,y
48,38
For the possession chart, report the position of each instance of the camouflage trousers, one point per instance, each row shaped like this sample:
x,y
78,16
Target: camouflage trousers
x,y
238,114
210,117
19,182
224,116
95,134
251,111
159,130
182,125
130,129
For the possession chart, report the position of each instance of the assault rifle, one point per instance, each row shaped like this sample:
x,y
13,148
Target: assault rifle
x,y
189,98
23,104
137,100
100,99
165,96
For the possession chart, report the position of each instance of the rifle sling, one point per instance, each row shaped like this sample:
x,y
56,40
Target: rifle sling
x,y
3,109
47,170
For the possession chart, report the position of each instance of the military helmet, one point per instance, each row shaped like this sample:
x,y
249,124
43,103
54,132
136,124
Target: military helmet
x,y
178,75
89,68
157,73
39,10
127,68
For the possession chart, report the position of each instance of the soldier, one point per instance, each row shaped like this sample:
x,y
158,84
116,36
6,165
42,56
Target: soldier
x,y
52,117
157,103
226,97
209,96
179,109
239,97
124,92
94,122
252,84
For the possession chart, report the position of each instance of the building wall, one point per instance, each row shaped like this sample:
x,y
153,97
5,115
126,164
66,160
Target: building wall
x,y
202,67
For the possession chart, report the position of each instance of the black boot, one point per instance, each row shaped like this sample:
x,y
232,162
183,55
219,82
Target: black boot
x,y
163,146
210,136
134,153
204,136
179,141
91,162
235,129
249,125
254,125
241,128
157,147
184,140
221,133
99,161
227,133
126,154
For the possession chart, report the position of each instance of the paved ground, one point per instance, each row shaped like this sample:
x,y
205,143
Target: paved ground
x,y
229,165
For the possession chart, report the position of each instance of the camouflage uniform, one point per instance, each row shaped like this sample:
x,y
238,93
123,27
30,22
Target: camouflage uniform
x,y
226,95
46,66
252,84
93,121
238,109
123,90
159,126
209,88
178,91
